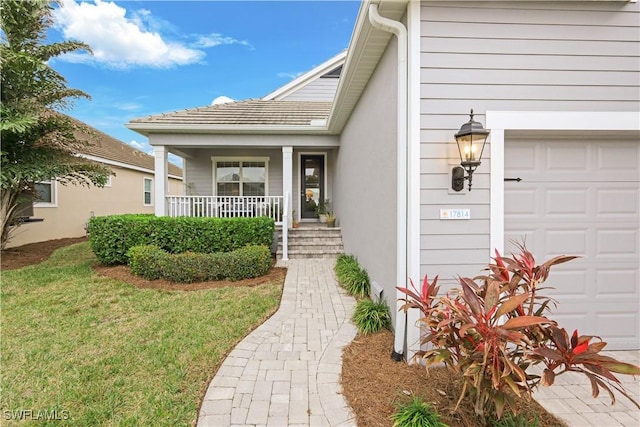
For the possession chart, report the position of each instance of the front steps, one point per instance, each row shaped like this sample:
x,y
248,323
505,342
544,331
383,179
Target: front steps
x,y
313,241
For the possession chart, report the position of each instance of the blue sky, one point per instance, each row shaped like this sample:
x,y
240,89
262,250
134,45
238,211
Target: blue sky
x,y
152,57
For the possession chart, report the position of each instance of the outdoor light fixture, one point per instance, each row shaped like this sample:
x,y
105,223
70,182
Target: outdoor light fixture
x,y
471,139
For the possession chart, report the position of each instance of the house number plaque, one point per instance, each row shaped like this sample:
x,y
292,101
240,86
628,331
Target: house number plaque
x,y
455,213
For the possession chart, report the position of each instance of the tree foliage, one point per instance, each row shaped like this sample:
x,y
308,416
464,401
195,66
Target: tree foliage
x,y
38,142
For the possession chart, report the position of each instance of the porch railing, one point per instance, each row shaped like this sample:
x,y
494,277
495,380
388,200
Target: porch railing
x,y
226,206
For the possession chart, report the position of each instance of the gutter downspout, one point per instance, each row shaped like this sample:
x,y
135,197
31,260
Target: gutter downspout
x,y
400,31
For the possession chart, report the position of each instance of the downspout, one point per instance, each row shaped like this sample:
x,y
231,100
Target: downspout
x,y
400,31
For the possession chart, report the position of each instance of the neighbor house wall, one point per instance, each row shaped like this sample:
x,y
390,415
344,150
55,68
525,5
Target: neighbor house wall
x,y
74,205
365,177
509,56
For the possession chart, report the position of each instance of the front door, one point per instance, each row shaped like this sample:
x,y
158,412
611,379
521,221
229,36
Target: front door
x,y
312,180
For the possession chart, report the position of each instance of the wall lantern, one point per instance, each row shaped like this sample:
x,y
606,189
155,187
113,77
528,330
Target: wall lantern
x,y
471,139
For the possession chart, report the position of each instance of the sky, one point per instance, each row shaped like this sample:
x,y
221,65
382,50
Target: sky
x,y
152,57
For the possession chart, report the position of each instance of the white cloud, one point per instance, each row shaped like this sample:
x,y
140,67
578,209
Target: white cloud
x,y
128,106
142,146
222,100
215,39
118,41
290,75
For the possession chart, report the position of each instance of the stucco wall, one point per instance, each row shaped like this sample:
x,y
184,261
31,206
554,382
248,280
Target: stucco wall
x,y
365,179
75,205
510,56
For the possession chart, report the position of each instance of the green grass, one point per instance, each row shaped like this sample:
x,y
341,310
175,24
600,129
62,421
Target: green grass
x,y
108,353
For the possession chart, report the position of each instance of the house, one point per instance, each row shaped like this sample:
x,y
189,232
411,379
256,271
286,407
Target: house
x,y
557,84
62,211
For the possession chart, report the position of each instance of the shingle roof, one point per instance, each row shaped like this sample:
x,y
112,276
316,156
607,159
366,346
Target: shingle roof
x,y
106,147
248,112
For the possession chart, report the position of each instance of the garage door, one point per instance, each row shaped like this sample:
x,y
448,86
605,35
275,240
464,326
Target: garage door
x,y
581,198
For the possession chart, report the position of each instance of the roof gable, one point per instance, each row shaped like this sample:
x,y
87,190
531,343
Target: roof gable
x,y
326,67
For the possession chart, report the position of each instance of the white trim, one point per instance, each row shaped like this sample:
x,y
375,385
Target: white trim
x,y
499,122
413,169
308,77
296,202
144,191
54,195
240,159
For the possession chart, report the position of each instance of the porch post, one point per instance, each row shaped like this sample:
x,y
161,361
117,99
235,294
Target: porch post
x,y
287,179
160,177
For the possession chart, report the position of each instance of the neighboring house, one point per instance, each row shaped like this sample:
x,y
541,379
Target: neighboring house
x,y
556,83
63,210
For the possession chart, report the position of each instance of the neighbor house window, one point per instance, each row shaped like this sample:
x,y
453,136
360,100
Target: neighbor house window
x,y
148,185
241,177
45,193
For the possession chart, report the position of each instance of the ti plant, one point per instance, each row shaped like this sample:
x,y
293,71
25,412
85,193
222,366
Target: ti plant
x,y
493,329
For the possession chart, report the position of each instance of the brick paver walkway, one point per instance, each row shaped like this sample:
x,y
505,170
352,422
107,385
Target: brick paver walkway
x,y
287,371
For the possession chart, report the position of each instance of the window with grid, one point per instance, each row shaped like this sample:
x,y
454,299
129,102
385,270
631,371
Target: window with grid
x,y
241,178
148,184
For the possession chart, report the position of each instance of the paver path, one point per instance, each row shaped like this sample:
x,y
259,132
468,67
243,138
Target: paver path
x,y
287,371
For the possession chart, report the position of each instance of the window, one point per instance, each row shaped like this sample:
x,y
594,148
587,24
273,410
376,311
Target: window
x,y
148,185
108,183
45,194
235,177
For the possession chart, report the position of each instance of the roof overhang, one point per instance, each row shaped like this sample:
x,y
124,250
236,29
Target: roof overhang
x,y
365,50
148,128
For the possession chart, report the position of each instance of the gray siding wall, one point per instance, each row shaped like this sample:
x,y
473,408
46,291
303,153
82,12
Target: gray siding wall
x,y
365,178
321,89
199,168
511,56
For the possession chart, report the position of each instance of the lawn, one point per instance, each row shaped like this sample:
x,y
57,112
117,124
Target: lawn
x,y
103,352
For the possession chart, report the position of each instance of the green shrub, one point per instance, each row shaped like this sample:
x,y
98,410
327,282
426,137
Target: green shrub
x,y
371,317
146,261
352,276
112,236
344,263
416,414
153,263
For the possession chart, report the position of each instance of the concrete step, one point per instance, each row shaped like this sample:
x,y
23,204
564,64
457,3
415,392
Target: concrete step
x,y
313,241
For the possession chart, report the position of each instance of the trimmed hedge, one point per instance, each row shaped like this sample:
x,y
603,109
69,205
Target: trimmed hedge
x,y
153,263
112,236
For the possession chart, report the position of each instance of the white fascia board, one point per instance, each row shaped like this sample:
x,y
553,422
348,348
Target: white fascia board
x,y
330,142
122,165
147,128
307,78
563,120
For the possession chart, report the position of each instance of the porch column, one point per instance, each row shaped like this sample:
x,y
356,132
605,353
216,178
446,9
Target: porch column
x,y
287,180
161,168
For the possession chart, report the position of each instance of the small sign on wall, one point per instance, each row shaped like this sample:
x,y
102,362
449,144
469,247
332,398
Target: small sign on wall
x,y
455,213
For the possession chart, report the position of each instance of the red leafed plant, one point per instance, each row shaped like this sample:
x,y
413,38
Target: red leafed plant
x,y
493,329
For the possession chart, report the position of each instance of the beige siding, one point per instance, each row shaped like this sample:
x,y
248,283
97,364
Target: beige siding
x,y
76,204
365,181
321,89
511,56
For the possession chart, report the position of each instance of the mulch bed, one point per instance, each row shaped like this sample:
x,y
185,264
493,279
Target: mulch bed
x,y
33,253
374,384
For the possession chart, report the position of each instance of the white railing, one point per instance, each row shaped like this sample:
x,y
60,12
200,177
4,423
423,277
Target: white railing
x,y
226,206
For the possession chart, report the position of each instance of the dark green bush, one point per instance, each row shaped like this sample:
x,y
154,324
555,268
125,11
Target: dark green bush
x,y
352,276
112,236
153,263
146,261
371,317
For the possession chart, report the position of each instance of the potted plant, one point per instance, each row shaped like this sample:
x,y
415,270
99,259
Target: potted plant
x,y
295,222
331,219
323,207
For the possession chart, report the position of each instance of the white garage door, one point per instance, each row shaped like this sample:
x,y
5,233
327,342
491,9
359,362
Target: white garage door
x,y
581,198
